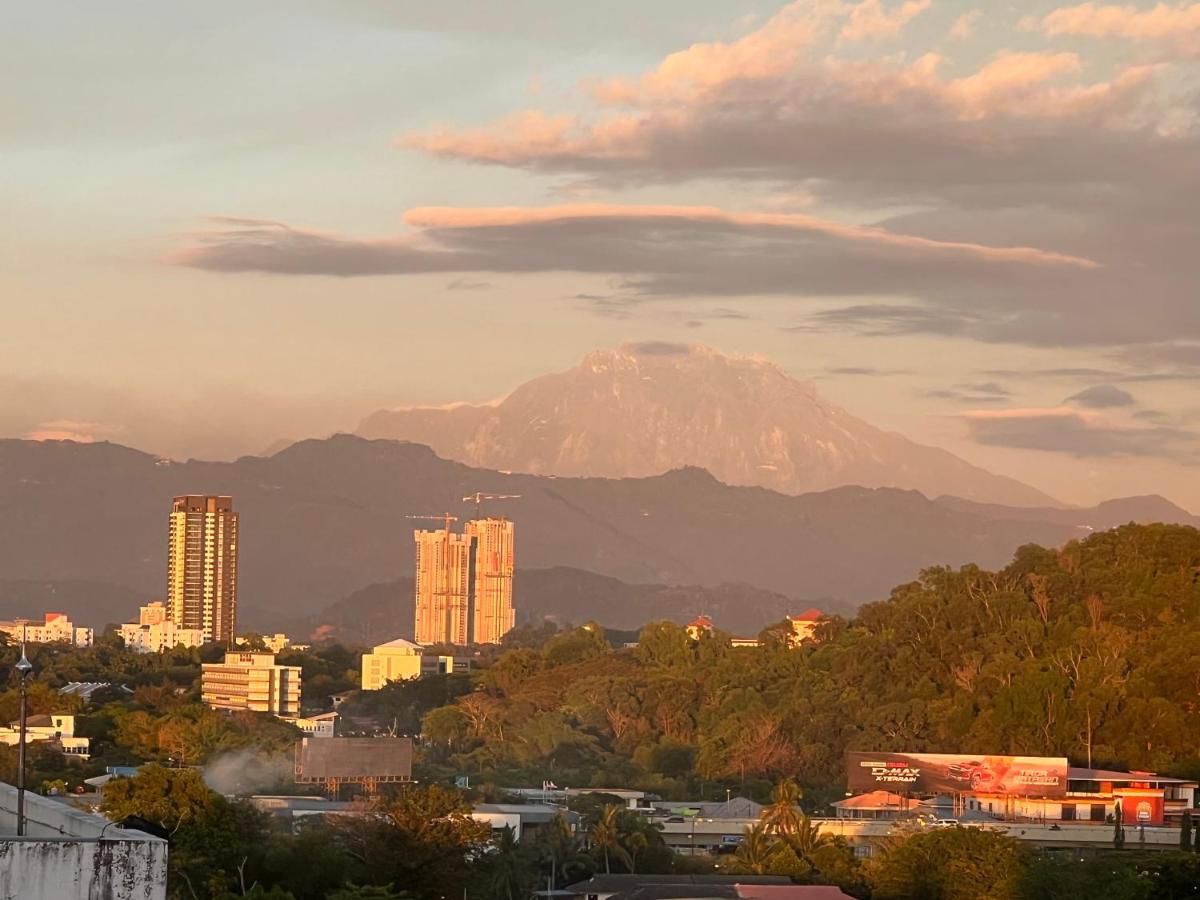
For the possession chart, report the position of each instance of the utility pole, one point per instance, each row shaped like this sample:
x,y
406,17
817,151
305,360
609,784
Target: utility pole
x,y
24,667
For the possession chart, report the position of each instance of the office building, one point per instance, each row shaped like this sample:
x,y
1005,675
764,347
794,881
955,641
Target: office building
x,y
154,631
402,660
202,566
492,606
464,584
444,587
251,681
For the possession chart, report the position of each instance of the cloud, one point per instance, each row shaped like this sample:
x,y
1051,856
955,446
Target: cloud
x,y
964,25
1175,26
872,21
1077,433
1048,148
1103,396
653,252
71,430
660,348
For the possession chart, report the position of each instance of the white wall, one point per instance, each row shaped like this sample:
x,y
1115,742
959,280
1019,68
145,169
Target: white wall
x,y
70,854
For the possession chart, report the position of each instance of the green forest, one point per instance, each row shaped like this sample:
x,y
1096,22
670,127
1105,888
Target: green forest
x,y
1091,651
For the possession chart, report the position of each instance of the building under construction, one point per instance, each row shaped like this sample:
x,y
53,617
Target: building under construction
x,y
464,583
365,763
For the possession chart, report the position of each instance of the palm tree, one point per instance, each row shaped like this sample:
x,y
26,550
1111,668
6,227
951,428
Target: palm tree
x,y
509,867
606,836
564,848
783,815
635,843
755,851
806,840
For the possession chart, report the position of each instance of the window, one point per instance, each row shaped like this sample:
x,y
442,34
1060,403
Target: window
x,y
1068,812
1097,812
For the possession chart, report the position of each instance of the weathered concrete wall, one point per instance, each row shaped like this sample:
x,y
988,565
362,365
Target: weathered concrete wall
x,y
71,854
68,869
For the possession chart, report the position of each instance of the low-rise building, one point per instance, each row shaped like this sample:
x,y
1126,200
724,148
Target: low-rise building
x,y
323,725
57,628
804,626
251,681
525,819
154,631
57,729
402,660
276,643
85,690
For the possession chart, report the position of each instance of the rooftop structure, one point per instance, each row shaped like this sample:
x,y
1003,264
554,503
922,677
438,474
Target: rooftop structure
x,y
76,855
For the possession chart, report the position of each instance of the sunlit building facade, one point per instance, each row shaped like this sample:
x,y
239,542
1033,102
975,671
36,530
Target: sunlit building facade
x,y
154,631
464,584
253,682
202,566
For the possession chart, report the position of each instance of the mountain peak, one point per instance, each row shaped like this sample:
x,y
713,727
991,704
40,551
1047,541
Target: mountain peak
x,y
649,407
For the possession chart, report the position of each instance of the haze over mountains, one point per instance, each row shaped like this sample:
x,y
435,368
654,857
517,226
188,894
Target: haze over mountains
x,y
324,518
645,409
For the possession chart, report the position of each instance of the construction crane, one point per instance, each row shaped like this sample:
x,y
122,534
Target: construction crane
x,y
479,496
444,517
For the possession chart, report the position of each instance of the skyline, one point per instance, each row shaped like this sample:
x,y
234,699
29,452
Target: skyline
x,y
968,224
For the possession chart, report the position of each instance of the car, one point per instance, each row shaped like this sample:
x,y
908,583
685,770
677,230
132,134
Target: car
x,y
944,823
972,773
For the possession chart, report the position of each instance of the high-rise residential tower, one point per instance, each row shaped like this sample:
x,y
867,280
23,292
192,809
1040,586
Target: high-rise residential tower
x,y
444,585
202,566
464,584
492,604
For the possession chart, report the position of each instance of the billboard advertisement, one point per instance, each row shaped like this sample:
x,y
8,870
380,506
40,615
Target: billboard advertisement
x,y
1140,807
939,773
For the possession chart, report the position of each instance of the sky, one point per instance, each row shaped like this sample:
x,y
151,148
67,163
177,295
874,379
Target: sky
x,y
229,224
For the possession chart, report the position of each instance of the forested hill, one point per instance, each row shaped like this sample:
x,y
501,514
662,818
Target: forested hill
x,y
1091,651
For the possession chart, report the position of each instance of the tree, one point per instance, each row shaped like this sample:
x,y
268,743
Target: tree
x,y
951,864
1185,832
169,798
1118,827
420,839
755,851
509,867
783,816
606,837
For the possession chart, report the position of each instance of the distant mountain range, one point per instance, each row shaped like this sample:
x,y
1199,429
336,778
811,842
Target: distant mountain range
x,y
324,518
647,409
381,612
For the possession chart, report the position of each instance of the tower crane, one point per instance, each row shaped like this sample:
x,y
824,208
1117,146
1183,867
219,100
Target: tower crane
x,y
444,517
479,496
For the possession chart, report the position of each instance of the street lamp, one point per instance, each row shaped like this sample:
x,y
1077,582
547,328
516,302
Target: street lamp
x,y
24,667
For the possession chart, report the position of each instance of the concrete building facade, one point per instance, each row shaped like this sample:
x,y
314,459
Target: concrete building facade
x,y
402,660
56,628
68,854
464,584
155,631
202,565
253,682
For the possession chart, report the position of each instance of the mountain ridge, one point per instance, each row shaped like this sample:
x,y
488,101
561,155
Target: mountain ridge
x,y
634,412
325,517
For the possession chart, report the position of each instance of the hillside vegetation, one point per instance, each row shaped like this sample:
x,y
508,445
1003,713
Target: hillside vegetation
x,y
1090,652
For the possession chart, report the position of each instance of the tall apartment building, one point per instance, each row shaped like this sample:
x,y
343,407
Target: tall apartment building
x,y
464,584
493,615
444,587
202,566
154,631
251,681
56,628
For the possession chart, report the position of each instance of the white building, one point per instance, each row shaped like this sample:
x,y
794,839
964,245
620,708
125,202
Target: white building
x,y
57,628
276,643
57,729
154,631
323,725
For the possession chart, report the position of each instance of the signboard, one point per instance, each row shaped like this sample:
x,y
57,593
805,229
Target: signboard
x,y
382,759
933,773
1140,807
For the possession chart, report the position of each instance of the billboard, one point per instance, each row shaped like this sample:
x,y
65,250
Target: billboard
x,y
354,759
934,773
